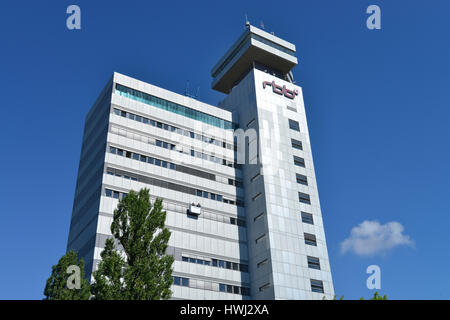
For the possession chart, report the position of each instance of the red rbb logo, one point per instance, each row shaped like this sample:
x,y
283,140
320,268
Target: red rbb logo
x,y
281,90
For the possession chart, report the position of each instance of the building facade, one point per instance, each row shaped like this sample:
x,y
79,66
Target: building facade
x,y
237,180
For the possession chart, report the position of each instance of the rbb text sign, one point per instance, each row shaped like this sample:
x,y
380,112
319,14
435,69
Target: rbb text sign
x,y
281,90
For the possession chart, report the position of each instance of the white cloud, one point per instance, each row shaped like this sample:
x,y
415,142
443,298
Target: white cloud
x,y
371,237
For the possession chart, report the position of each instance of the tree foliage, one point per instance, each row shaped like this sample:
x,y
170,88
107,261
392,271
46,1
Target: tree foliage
x,y
142,270
376,296
56,286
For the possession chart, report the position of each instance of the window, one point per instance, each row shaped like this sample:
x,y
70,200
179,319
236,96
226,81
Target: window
x,y
307,218
177,281
135,156
264,287
108,193
229,288
255,176
112,150
185,282
256,197
302,179
310,239
313,263
304,198
296,144
317,286
299,161
222,287
185,259
258,216
143,158
261,263
260,238
294,125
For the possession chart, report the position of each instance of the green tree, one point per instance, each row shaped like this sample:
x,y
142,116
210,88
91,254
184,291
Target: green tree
x,y
57,288
108,276
377,296
145,272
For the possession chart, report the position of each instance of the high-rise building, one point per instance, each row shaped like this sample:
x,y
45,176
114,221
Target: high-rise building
x,y
237,180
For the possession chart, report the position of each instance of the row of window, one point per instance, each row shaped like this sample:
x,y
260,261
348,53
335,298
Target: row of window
x,y
166,145
310,239
316,286
168,127
173,107
209,285
217,263
313,263
207,215
173,166
234,289
182,209
171,186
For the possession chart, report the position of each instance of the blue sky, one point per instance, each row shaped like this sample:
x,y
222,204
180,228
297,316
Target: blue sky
x,y
377,107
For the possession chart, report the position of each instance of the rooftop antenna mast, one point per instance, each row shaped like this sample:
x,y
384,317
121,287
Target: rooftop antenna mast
x,y
247,23
186,90
188,94
196,95
262,25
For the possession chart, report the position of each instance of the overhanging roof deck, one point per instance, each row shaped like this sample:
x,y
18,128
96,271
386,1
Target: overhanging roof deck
x,y
253,45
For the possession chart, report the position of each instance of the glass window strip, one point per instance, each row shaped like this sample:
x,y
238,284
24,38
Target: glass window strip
x,y
173,107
